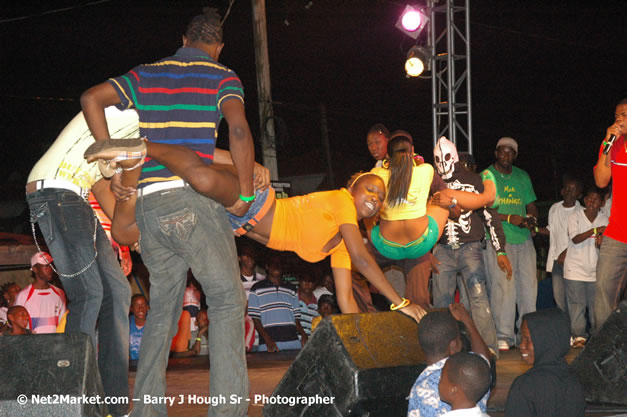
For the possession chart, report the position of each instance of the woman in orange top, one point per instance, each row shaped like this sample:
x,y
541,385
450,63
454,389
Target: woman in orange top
x,y
314,226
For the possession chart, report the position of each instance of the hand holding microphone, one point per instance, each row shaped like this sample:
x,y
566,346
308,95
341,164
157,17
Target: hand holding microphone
x,y
607,144
612,132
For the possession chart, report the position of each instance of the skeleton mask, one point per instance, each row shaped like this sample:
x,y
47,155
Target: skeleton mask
x,y
445,155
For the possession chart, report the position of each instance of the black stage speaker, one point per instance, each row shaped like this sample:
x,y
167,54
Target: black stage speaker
x,y
602,365
49,375
366,362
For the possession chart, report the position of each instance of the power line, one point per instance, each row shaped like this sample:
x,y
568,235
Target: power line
x,y
64,9
38,98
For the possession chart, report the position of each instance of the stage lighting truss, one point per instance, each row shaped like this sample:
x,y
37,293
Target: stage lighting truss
x,y
412,21
418,59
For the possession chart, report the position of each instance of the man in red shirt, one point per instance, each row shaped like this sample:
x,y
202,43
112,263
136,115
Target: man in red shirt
x,y
612,265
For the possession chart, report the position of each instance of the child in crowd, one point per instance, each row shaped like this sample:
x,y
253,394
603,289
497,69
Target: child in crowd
x,y
18,320
327,306
187,341
137,320
8,293
45,302
246,255
327,287
585,230
273,306
439,337
307,301
548,388
465,379
200,337
557,229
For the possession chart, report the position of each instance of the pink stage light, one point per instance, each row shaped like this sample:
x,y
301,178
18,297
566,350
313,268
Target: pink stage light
x,y
411,20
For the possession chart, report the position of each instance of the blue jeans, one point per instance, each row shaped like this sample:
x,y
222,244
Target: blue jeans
x,y
579,295
100,294
611,278
521,291
468,261
180,229
557,280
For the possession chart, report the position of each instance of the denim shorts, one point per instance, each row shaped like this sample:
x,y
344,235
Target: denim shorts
x,y
257,210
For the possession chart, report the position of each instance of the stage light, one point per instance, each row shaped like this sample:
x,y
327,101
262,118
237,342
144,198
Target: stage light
x,y
417,60
411,21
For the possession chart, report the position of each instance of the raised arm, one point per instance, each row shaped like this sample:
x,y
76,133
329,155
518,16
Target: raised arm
x,y
603,170
93,102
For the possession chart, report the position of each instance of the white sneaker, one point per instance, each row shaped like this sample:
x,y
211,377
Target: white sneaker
x,y
503,345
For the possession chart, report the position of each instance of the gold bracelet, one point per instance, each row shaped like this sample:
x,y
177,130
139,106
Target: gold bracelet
x,y
595,231
198,339
403,304
508,216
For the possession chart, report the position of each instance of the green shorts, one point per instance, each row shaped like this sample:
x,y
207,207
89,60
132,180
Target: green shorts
x,y
411,250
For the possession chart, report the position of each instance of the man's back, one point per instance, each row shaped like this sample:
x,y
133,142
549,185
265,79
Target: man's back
x,y
178,99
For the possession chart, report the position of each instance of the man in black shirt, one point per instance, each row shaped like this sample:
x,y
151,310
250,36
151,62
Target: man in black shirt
x,y
460,247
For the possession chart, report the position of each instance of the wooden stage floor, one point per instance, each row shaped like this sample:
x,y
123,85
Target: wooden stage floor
x,y
191,376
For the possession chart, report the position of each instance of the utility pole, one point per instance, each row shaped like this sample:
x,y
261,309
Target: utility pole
x,y
266,114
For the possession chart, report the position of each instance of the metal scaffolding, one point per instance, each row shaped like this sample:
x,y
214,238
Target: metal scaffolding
x,y
449,43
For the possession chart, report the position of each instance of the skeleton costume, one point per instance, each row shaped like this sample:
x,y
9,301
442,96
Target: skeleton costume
x,y
460,249
461,231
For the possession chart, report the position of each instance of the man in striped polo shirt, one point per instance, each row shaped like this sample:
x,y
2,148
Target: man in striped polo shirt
x,y
180,100
273,306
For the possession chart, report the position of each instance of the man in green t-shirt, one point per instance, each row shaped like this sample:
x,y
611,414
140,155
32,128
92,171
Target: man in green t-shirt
x,y
518,214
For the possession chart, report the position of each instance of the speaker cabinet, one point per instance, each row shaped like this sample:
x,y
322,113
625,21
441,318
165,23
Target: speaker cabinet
x,y
352,365
49,375
602,365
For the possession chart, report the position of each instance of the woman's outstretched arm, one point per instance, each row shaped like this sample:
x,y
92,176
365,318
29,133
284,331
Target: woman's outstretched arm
x,y
344,288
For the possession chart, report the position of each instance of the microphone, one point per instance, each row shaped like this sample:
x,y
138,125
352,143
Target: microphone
x,y
608,144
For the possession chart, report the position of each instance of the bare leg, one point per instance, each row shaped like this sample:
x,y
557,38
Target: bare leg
x,y
123,226
218,182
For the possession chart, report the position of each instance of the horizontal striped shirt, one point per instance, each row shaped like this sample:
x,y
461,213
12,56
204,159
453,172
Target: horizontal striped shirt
x,y
178,100
307,313
277,308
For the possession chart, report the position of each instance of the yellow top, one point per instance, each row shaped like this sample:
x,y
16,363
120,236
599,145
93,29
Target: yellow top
x,y
415,205
305,224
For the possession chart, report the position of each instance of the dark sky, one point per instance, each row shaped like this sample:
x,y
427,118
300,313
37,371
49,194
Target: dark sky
x,y
548,73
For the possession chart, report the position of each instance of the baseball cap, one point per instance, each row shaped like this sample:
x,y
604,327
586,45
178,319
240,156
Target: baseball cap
x,y
43,258
507,141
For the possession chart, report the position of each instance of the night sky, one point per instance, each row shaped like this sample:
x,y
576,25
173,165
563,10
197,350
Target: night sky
x,y
548,73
